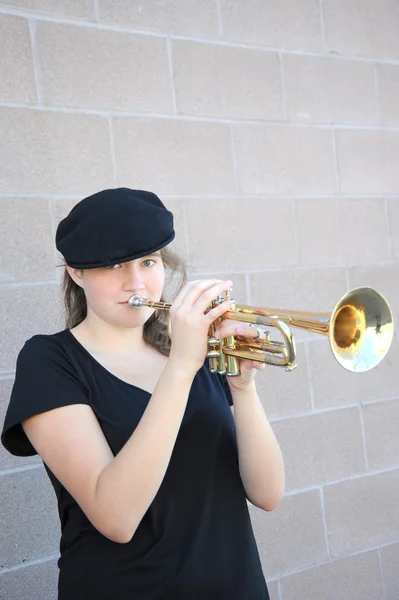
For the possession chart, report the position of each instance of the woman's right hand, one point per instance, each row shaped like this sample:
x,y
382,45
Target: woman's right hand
x,y
190,321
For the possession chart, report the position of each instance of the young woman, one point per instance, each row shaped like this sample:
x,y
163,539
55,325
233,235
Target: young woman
x,y
151,468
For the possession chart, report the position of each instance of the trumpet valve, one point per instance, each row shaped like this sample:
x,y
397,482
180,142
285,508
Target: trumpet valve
x,y
213,354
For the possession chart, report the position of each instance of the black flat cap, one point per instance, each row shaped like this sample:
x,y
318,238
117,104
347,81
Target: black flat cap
x,y
114,226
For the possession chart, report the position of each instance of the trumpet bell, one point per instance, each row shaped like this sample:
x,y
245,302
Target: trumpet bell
x,y
361,329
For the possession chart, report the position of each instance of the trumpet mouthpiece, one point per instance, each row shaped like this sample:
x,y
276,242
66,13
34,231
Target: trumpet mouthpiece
x,y
135,301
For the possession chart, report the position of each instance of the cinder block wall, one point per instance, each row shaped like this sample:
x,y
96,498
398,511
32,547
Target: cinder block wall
x,y
271,129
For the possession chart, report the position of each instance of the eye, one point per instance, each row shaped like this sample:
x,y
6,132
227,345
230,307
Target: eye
x,y
149,260
113,267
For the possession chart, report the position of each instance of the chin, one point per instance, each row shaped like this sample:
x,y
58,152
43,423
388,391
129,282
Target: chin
x,y
133,320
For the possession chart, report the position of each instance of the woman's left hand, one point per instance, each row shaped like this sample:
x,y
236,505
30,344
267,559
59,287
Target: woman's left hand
x,y
248,368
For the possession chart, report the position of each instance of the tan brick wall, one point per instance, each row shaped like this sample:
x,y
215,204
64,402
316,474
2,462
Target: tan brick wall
x,y
271,129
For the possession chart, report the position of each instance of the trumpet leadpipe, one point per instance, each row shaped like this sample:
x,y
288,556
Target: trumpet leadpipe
x,y
138,302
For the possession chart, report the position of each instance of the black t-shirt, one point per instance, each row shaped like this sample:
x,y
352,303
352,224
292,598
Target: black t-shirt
x,y
196,539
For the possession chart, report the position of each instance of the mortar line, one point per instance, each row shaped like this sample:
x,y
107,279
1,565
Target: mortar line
x,y
389,230
112,146
262,195
363,430
96,11
30,563
381,570
201,118
324,519
36,63
22,469
322,26
220,17
88,22
310,380
171,74
283,86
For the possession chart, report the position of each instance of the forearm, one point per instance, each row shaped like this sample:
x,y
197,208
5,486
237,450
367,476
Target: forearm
x,y
129,483
260,460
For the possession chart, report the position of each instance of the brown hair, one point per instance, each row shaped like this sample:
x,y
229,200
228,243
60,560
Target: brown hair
x,y
155,329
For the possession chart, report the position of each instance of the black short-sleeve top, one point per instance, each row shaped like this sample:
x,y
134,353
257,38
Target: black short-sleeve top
x,y
195,540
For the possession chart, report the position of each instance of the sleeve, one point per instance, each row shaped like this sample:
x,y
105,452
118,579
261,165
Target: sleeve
x,y
226,388
44,380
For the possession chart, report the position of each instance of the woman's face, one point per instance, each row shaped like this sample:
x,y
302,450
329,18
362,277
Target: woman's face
x,y
107,289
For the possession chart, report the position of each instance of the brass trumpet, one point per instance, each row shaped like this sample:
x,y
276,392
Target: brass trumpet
x,y
360,330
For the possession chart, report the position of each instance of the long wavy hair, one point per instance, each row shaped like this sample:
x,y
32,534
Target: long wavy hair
x,y
155,329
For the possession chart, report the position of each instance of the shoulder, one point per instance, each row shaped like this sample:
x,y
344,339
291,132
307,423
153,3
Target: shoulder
x,y
45,343
44,348
45,378
47,360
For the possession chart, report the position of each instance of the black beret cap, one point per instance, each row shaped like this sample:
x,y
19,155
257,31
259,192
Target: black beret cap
x,y
114,226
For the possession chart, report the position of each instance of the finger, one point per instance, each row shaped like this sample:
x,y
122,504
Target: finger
x,y
248,330
187,292
216,312
202,293
208,296
252,364
229,327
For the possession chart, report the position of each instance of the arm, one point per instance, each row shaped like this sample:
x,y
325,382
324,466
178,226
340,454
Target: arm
x,y
115,492
260,460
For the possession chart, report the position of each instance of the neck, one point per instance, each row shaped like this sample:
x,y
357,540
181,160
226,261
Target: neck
x,y
115,339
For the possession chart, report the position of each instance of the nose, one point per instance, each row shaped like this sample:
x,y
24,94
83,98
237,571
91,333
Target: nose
x,y
133,278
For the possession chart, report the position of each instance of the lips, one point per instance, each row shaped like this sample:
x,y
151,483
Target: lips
x,y
127,302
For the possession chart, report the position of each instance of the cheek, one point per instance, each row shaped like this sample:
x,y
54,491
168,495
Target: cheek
x,y
99,291
156,280
160,278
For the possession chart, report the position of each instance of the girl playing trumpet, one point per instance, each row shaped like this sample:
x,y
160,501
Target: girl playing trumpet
x,y
151,468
